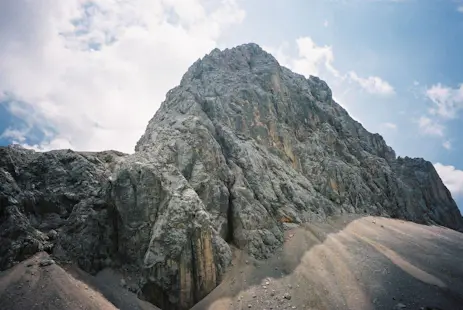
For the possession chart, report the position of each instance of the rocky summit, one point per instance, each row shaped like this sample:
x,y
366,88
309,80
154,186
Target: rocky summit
x,y
242,150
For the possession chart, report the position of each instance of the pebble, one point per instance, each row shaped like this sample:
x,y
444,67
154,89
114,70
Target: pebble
x,y
52,234
46,262
287,296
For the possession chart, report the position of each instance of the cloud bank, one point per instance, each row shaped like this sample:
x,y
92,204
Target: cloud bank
x,y
90,74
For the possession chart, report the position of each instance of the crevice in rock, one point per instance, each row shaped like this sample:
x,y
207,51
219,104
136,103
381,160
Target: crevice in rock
x,y
229,184
115,221
194,270
157,296
230,226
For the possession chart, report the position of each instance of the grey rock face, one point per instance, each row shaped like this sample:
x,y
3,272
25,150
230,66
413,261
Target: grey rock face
x,y
53,198
242,149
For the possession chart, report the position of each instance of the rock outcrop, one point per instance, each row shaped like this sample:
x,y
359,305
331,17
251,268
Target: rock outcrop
x,y
241,150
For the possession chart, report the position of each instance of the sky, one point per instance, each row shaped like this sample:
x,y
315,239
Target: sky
x,y
89,74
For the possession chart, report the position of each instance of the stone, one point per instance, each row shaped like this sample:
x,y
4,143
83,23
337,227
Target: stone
x,y
52,234
240,151
46,262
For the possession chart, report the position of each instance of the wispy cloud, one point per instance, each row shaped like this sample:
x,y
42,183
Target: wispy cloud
x,y
387,125
373,84
447,145
447,101
430,127
15,135
313,59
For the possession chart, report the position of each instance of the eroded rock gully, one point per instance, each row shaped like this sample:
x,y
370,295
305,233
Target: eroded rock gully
x,y
242,149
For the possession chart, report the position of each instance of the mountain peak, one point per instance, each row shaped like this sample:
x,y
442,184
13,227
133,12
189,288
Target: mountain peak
x,y
243,58
242,150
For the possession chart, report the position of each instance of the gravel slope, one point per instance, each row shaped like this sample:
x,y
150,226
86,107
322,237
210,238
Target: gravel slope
x,y
345,263
350,263
40,284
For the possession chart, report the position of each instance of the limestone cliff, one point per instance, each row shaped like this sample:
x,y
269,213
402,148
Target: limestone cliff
x,y
242,149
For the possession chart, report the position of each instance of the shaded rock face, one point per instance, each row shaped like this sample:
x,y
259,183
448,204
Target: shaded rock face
x,y
241,150
58,197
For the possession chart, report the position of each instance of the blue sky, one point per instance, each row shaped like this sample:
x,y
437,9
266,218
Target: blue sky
x,y
396,66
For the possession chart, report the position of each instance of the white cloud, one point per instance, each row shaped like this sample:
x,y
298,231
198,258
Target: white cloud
x,y
53,144
280,53
373,84
390,126
17,135
448,101
430,127
316,60
460,9
452,178
311,57
447,145
326,23
91,74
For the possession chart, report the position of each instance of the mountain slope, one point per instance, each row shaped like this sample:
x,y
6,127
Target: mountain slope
x,y
349,262
242,150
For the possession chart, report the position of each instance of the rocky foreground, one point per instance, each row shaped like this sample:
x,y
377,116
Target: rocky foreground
x,y
346,262
242,151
